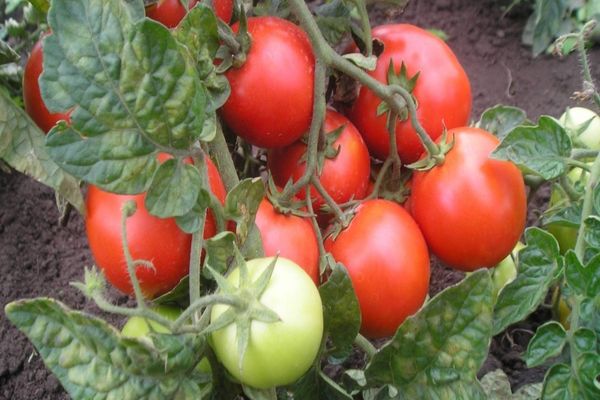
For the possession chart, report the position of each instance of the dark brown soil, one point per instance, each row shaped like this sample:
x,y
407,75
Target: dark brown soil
x,y
39,258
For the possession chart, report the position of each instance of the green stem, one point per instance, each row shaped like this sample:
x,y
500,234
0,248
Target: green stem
x,y
217,211
365,345
579,154
220,153
339,214
201,303
585,65
128,210
568,189
588,207
579,164
197,238
318,234
393,155
365,25
146,313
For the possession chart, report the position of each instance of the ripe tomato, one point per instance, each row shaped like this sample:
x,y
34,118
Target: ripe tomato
x,y
149,238
345,177
32,97
471,209
289,236
171,12
272,93
443,92
388,262
281,352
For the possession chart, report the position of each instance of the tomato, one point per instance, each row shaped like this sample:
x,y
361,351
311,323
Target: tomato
x,y
574,121
471,208
171,12
290,236
149,238
281,352
506,271
388,262
442,91
32,97
344,177
272,92
138,327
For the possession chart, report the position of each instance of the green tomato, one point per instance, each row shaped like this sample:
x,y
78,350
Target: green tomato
x,y
574,121
506,271
138,327
281,352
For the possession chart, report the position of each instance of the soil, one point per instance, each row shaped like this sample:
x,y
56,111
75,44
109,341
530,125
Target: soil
x,y
40,258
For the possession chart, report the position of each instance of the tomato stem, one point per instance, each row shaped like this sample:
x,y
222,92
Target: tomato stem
x,y
339,214
585,63
578,154
146,313
365,345
568,189
197,238
318,234
391,127
361,5
127,211
588,206
222,157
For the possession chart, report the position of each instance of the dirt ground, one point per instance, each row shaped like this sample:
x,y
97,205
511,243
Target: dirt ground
x,y
39,258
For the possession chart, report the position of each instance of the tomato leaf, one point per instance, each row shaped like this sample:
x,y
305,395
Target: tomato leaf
x,y
22,147
190,221
315,385
219,251
585,340
7,54
497,387
540,149
92,360
260,394
437,352
590,314
241,205
501,120
557,383
341,312
584,281
539,261
130,85
592,231
547,18
548,342
574,382
334,20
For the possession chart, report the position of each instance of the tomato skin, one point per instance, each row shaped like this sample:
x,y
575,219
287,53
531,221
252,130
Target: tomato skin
x,y
272,92
290,236
138,327
171,12
471,209
149,238
345,177
32,97
278,353
388,262
443,91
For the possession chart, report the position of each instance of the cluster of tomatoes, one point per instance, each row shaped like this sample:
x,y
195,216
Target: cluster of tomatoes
x,y
468,210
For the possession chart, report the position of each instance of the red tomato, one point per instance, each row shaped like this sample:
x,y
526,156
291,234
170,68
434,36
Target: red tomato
x,y
290,236
272,93
442,91
345,177
171,12
149,238
471,209
32,97
388,262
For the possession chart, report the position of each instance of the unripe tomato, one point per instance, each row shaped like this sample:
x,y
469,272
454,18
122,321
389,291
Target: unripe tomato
x,y
443,92
575,119
470,208
506,271
32,97
272,92
149,238
171,12
388,262
344,177
278,353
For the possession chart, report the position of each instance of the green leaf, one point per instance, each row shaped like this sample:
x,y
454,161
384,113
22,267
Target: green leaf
x,y
540,149
260,394
592,231
589,314
558,383
41,5
548,342
92,360
548,18
584,281
219,251
315,385
341,311
497,387
22,147
334,20
367,63
538,264
585,340
241,205
198,32
190,221
501,120
587,368
437,352
7,54
131,86
178,295
174,190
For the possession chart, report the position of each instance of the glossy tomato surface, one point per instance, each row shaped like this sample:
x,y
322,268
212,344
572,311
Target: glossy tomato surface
x,y
272,92
32,97
171,12
278,353
471,209
149,238
388,262
290,236
443,91
344,177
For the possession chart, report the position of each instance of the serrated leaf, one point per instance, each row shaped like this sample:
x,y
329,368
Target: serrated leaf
x,y
131,86
437,352
341,312
174,189
548,342
540,149
315,385
7,54
190,221
548,18
22,147
219,251
198,32
501,119
92,360
241,205
538,263
569,215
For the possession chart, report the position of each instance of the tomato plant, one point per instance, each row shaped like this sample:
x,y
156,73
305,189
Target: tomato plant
x,y
171,12
471,208
345,169
288,236
442,90
388,262
271,97
281,352
32,97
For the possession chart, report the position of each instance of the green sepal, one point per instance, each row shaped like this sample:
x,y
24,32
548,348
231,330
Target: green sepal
x,y
428,162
